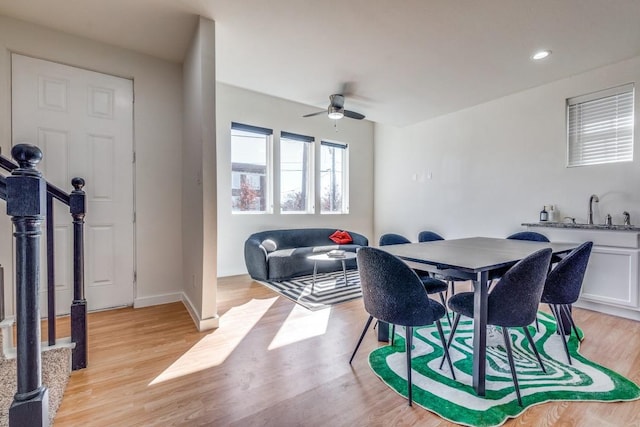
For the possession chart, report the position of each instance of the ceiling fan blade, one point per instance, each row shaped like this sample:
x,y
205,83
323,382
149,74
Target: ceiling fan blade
x,y
315,114
353,115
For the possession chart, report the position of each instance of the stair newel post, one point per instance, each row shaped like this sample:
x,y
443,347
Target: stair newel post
x,y
77,206
26,204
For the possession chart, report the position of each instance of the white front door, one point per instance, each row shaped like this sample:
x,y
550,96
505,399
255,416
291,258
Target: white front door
x,y
83,123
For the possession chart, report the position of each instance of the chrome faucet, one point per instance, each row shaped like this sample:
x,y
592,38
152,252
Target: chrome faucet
x,y
592,199
627,218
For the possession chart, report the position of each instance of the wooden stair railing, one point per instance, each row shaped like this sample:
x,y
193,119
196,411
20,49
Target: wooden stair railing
x,y
29,200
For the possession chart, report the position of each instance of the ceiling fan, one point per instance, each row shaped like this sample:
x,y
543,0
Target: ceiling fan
x,y
336,109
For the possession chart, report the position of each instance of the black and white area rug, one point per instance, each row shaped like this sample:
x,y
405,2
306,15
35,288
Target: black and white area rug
x,y
329,289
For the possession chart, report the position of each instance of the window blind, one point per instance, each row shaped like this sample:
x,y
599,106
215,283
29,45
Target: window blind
x,y
249,128
334,145
296,137
600,127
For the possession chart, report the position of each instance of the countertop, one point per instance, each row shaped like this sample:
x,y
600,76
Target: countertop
x,y
568,225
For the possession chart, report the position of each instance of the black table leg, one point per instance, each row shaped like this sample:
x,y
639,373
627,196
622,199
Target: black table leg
x,y
480,332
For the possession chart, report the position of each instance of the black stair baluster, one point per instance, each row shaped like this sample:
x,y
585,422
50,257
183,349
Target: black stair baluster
x,y
77,207
51,286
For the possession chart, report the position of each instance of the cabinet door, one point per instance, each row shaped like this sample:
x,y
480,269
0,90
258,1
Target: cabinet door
x,y
612,277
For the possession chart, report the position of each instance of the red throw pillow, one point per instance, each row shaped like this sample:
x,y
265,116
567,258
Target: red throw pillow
x,y
341,237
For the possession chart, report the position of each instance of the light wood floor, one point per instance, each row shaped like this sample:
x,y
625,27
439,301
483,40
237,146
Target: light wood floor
x,y
272,363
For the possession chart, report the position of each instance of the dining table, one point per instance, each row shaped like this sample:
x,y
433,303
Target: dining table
x,y
476,259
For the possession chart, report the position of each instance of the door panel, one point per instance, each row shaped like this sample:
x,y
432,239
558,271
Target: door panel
x,y
83,123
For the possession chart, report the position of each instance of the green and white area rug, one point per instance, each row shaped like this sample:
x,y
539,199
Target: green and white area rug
x,y
456,401
329,289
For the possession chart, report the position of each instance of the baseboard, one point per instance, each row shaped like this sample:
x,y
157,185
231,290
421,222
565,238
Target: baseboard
x,y
157,300
201,324
608,309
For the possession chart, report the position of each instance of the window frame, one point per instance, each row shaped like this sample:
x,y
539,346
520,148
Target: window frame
x,y
589,114
268,172
345,177
309,142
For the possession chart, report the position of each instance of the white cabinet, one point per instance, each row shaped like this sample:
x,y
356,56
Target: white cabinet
x,y
612,278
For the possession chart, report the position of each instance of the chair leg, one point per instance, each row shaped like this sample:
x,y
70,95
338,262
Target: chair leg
x,y
456,320
408,342
364,331
533,346
446,349
444,302
537,325
573,324
507,344
556,313
393,333
453,287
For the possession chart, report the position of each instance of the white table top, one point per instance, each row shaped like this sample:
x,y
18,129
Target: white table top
x,y
474,254
325,257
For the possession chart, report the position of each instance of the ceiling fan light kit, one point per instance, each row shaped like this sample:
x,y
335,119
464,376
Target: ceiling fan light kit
x,y
336,113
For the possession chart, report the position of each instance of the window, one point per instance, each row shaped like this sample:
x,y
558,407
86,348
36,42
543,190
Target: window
x,y
600,127
295,173
334,197
250,168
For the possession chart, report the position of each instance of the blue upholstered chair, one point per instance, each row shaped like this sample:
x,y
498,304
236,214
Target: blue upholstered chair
x,y
529,235
562,288
513,302
431,284
392,292
522,235
431,236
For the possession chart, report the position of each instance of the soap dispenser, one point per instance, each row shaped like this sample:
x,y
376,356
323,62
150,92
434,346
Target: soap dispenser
x,y
544,215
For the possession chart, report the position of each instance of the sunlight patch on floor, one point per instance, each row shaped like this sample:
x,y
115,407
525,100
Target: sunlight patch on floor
x,y
301,324
213,349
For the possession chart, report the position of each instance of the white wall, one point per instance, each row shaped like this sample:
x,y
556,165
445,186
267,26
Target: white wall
x,y
239,105
199,178
495,165
158,140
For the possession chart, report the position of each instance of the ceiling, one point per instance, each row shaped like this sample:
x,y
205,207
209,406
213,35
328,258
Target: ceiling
x,y
403,61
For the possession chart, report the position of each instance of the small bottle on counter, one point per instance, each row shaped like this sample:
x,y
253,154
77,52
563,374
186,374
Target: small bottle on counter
x,y
544,215
551,213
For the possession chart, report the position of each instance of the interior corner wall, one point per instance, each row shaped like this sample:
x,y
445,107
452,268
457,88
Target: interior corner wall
x,y
157,140
243,106
485,170
199,223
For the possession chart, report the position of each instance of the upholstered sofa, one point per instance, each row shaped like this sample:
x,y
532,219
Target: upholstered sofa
x,y
282,254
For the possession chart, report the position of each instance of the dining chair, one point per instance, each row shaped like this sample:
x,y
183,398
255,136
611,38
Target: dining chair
x,y
512,303
392,292
529,235
431,284
562,288
431,236
522,235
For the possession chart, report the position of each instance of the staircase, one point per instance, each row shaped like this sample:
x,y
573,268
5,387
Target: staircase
x,y
34,374
56,368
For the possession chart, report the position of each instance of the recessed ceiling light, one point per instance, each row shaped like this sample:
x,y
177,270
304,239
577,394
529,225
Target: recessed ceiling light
x,y
541,54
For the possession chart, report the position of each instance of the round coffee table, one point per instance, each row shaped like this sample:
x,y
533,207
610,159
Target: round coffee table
x,y
324,258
